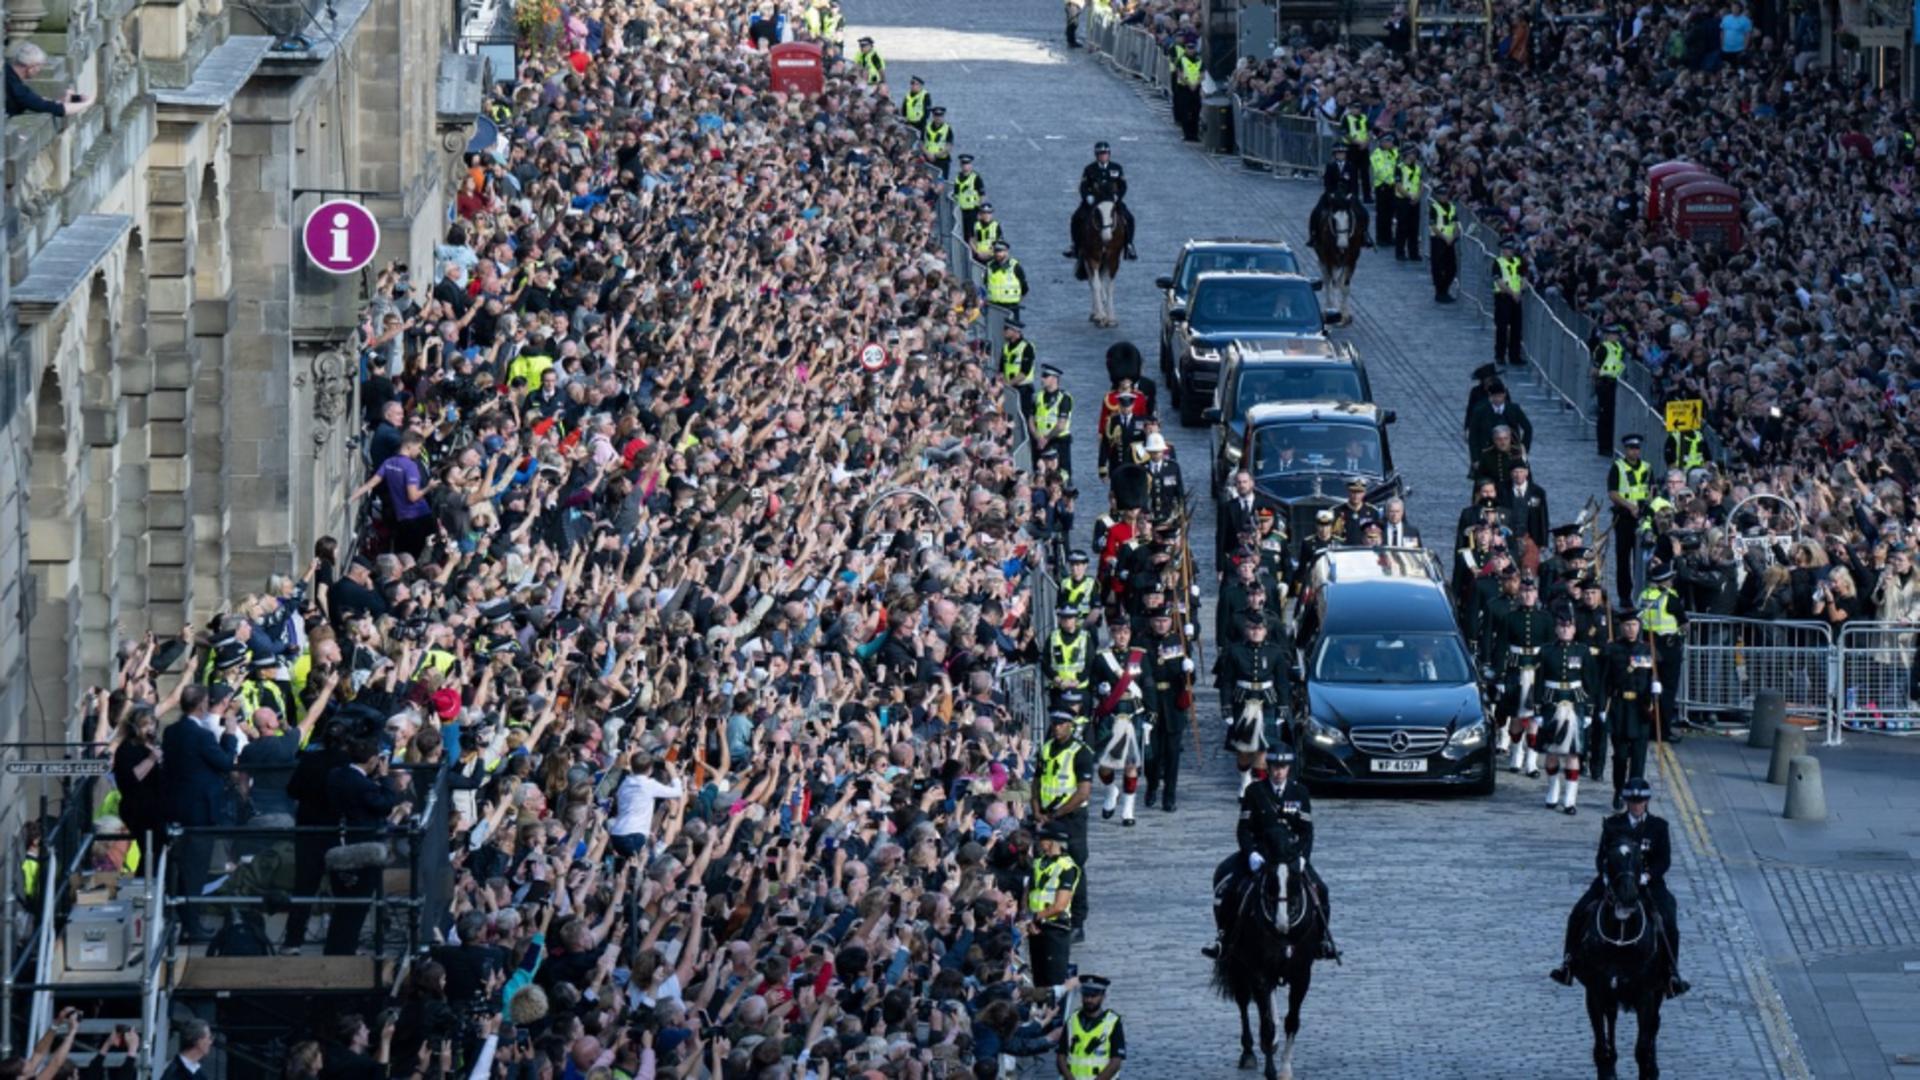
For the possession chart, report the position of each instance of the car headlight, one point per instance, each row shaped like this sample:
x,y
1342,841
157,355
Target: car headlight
x,y
1233,454
1469,737
1204,354
1323,733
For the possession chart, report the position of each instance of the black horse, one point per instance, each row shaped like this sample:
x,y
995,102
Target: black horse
x,y
1620,960
1271,940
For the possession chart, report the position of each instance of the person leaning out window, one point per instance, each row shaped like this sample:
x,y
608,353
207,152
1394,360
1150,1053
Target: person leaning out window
x,y
26,62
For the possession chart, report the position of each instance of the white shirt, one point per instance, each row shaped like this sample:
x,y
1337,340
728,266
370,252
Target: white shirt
x,y
634,802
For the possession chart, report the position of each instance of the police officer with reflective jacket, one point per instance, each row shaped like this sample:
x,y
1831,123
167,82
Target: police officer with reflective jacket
x,y
937,140
1053,886
1275,828
915,106
1170,670
1634,827
1069,651
1052,422
1095,1046
1065,787
1018,363
1383,169
969,192
1076,589
1103,180
1006,280
1629,487
1663,619
1609,364
983,234
1443,231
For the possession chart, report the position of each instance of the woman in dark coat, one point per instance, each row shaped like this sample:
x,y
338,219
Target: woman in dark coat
x,y
138,775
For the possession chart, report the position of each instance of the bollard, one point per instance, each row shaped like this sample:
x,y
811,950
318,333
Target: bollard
x,y
1789,742
1769,712
1806,797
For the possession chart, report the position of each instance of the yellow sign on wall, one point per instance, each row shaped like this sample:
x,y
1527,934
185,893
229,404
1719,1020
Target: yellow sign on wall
x,y
1685,414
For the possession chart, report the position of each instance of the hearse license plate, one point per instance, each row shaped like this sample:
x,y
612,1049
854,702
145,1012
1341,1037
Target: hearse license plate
x,y
1400,765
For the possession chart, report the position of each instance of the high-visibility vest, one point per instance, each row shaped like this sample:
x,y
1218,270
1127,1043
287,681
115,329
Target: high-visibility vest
x,y
437,659
984,234
914,108
1016,361
1613,360
1410,179
1357,128
1635,479
1655,618
1688,450
1003,287
1509,268
1445,223
1057,781
1089,1049
254,693
966,191
1076,591
938,139
875,67
1654,506
1189,66
1046,881
1384,162
823,22
527,368
1047,419
1068,658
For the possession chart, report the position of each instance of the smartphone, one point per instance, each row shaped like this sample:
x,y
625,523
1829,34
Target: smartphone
x,y
787,919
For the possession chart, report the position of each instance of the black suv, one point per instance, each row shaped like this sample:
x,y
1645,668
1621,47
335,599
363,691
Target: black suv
x,y
1289,370
1200,256
1390,695
1231,306
1302,455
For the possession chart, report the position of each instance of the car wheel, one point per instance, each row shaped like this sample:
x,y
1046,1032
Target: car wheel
x,y
1191,406
1485,787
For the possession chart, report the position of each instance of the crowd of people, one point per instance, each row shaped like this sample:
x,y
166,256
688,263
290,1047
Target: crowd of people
x,y
703,624
1800,344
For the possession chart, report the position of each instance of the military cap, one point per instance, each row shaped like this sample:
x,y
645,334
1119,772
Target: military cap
x,y
1637,789
1078,555
1050,370
1663,572
1569,529
1094,984
1280,755
1324,517
1485,372
1631,442
1356,484
1101,147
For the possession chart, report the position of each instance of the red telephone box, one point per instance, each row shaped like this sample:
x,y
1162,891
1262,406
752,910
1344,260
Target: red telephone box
x,y
1655,178
1706,212
795,68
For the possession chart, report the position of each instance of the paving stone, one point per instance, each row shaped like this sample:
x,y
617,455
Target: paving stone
x,y
1450,910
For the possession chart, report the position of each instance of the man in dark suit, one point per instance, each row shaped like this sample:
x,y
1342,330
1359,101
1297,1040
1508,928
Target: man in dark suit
x,y
472,962
308,786
1526,505
1497,411
198,762
360,795
1395,529
1633,826
355,594
1236,517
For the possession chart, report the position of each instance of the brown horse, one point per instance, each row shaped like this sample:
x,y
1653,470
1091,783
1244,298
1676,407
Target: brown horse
x,y
1100,239
1337,237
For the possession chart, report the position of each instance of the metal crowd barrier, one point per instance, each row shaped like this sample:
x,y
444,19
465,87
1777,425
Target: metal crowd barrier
x,y
1863,681
1876,676
1297,145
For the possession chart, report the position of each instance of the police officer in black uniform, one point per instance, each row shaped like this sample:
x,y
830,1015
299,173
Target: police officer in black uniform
x,y
1630,695
1638,827
1344,182
1054,872
1101,180
1276,826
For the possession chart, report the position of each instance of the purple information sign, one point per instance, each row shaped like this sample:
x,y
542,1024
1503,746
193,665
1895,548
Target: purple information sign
x,y
340,236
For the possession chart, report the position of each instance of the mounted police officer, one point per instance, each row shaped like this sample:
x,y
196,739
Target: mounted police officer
x,y
1103,180
1065,787
1275,829
1633,826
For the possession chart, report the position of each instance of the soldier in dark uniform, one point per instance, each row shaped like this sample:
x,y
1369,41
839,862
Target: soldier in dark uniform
x,y
1065,786
1553,567
1311,547
1170,670
1053,888
1253,676
1633,826
1166,492
1496,461
1520,637
1569,674
1496,593
1275,563
1275,828
1229,616
1594,626
1123,711
1630,693
1351,517
1103,179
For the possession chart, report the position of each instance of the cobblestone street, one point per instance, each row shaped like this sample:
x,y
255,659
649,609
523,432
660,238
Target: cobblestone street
x,y
1450,911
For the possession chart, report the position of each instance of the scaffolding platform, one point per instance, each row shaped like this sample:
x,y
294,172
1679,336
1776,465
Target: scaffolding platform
x,y
280,974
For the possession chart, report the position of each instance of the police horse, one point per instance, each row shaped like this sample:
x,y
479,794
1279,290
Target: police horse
x,y
1274,934
1100,239
1621,962
1337,234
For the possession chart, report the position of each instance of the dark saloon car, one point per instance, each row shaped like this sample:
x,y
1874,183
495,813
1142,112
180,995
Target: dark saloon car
x,y
1390,691
1219,253
1303,454
1227,308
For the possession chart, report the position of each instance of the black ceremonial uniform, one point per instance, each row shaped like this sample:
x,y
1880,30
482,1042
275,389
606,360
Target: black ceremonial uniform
x,y
1629,682
1166,672
1569,671
1656,852
1521,636
1247,673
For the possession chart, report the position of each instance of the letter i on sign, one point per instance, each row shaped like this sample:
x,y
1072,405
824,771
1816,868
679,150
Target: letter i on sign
x,y
338,234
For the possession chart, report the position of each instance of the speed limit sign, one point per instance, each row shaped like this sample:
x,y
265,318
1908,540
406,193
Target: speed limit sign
x,y
873,357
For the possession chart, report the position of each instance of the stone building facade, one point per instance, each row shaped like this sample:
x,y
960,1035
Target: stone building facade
x,y
175,390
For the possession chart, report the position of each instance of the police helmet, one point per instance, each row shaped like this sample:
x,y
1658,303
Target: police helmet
x,y
1078,555
1101,147
1637,790
1055,832
986,208
1280,755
